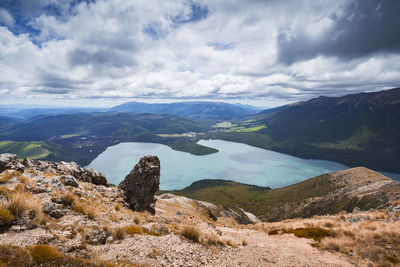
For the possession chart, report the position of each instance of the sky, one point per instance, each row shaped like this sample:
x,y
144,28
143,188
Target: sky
x,y
262,52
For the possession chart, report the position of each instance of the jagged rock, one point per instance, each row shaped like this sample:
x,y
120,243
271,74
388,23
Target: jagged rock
x,y
98,178
97,236
10,161
70,180
56,183
53,210
142,183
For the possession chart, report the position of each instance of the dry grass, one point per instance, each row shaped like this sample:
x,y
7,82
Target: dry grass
x,y
119,233
68,198
7,175
6,217
92,212
230,243
154,253
213,240
79,208
14,256
122,232
118,207
191,233
19,204
138,219
374,238
43,253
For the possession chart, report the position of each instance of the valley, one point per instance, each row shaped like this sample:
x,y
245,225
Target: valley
x,y
355,130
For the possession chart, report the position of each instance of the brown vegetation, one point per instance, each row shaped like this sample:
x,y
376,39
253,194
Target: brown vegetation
x,y
191,233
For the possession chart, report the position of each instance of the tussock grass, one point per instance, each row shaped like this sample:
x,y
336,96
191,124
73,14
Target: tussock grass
x,y
44,253
313,233
7,175
119,233
68,198
19,204
122,232
374,238
6,217
14,256
191,233
91,212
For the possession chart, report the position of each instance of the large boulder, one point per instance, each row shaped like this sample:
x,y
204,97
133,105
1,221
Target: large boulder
x,y
141,184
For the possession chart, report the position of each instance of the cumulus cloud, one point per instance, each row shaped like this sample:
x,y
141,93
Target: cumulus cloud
x,y
355,29
267,50
6,18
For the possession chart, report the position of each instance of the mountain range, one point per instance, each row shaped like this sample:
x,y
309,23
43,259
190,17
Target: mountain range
x,y
359,129
198,109
356,130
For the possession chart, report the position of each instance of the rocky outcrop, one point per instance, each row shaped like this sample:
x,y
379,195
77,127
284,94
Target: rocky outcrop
x,y
10,161
141,184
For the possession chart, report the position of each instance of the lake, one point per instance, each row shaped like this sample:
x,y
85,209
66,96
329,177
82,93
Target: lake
x,y
234,161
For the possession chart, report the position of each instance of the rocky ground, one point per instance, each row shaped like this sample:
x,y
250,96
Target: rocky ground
x,y
59,214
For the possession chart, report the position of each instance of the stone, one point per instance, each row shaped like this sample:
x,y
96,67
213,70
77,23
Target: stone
x,y
53,210
70,180
10,161
356,210
141,184
57,184
180,212
96,236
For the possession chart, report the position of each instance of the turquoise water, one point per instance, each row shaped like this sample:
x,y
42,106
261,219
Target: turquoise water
x,y
234,161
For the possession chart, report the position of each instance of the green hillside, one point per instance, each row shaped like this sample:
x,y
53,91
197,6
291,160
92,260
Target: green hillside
x,y
30,150
327,193
81,137
224,192
356,130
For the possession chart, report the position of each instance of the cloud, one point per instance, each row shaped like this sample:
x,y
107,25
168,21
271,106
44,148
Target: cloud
x,y
6,18
355,29
279,51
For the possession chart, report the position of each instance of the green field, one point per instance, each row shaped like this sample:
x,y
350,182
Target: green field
x,y
30,150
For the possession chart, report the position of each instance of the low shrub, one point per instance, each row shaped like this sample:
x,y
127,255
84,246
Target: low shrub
x,y
191,233
6,217
133,229
14,256
273,232
313,233
79,208
44,254
119,233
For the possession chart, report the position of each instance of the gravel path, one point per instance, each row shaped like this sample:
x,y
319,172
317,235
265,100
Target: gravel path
x,y
262,250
